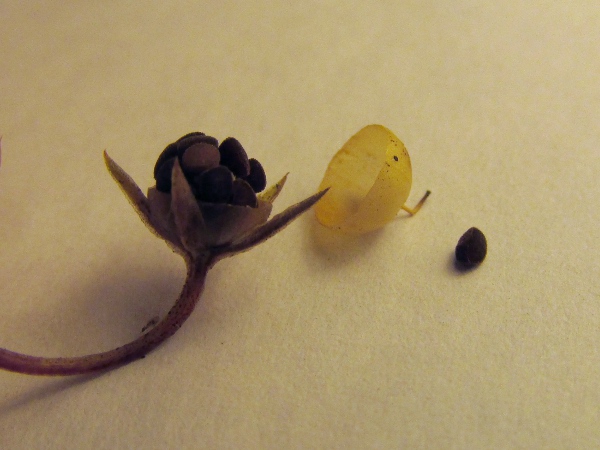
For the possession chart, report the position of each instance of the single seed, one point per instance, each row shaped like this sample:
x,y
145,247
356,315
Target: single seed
x,y
193,133
234,156
471,248
163,176
243,194
199,157
187,141
215,185
169,152
256,178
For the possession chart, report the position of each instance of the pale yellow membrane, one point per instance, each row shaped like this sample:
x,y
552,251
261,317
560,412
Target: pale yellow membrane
x,y
370,179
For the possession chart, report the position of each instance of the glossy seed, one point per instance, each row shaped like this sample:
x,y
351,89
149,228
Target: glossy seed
x,y
191,139
243,194
199,157
234,156
257,178
163,176
215,185
471,248
169,152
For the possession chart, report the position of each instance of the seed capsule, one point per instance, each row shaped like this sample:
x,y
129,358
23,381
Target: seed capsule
x,y
471,248
234,157
256,178
215,185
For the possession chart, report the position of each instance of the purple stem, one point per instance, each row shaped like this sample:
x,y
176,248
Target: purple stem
x,y
181,310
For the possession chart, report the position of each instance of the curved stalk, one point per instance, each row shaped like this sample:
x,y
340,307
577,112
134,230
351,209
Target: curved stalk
x,y
181,310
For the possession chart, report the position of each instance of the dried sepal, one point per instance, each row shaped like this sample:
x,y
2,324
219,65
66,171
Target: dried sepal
x,y
162,218
186,213
271,194
225,223
270,228
134,194
140,203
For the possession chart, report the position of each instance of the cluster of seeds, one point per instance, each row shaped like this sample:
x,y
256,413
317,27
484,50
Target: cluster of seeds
x,y
216,173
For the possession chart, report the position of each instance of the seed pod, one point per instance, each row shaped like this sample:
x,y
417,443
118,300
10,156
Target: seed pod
x,y
471,248
234,157
163,175
256,178
243,194
215,185
169,152
199,157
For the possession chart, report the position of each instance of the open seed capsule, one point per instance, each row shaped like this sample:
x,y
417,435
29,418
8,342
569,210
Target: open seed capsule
x,y
370,179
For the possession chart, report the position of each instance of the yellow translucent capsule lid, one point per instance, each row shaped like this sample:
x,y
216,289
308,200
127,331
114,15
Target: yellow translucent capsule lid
x,y
369,179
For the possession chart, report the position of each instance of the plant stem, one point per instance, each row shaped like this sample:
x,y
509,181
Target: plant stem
x,y
181,310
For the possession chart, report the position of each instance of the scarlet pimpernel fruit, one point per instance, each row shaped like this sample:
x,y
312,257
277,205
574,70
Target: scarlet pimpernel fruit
x,y
209,202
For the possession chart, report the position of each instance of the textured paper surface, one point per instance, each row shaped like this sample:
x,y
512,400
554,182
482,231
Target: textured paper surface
x,y
310,340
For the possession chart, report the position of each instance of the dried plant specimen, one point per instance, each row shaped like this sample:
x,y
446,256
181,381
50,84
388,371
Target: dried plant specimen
x,y
208,203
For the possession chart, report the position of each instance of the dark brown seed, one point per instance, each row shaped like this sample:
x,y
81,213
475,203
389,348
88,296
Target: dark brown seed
x,y
191,139
169,152
215,185
234,156
471,248
199,157
193,133
243,195
257,178
163,176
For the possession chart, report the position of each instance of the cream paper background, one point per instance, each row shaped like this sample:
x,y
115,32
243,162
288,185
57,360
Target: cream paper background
x,y
310,340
